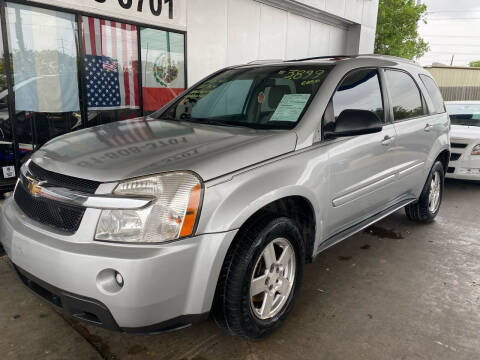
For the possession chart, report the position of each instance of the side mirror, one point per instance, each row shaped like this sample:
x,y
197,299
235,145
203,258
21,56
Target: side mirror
x,y
352,122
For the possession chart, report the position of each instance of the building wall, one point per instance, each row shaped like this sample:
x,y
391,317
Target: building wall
x,y
228,32
457,83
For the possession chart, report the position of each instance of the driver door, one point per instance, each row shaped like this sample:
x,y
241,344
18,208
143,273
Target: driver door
x,y
362,169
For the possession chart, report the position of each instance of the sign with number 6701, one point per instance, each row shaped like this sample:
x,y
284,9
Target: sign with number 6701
x,y
156,6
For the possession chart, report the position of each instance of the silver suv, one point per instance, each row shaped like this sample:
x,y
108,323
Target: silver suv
x,y
213,204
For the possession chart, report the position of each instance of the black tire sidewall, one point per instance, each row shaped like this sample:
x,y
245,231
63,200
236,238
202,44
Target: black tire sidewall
x,y
424,201
277,228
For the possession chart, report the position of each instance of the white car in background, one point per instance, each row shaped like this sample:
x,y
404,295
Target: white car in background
x,y
465,140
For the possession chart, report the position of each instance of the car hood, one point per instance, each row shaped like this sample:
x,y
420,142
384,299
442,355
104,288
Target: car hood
x,y
145,146
465,132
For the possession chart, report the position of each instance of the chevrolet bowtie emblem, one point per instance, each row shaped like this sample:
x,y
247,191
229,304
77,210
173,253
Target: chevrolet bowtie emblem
x,y
34,189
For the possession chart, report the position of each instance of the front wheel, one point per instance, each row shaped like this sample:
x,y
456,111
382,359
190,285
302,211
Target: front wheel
x,y
260,279
428,205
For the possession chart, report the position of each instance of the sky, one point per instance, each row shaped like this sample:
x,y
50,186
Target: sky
x,y
452,29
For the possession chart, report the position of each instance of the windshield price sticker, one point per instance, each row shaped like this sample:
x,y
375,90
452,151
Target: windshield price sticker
x,y
301,74
290,108
156,6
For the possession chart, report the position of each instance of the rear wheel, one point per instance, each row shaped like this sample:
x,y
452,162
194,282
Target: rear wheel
x,y
428,205
260,279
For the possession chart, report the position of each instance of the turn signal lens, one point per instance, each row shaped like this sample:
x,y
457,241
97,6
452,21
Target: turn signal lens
x,y
192,211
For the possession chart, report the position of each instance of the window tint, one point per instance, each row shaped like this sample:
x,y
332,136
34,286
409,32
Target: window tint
x,y
406,98
360,90
434,93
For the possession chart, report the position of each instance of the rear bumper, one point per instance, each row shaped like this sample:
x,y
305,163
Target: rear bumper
x,y
165,285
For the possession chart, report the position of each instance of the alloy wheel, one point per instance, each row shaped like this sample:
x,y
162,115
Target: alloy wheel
x,y
435,192
272,279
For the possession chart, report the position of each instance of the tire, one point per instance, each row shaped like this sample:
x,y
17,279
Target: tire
x,y
234,309
424,209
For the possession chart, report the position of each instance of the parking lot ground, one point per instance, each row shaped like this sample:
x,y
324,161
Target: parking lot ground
x,y
398,290
30,329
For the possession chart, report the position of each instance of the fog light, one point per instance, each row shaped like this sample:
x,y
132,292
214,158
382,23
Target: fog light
x,y
110,281
119,279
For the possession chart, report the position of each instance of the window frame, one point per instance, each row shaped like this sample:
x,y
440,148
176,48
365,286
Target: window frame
x,y
425,108
387,120
78,14
433,112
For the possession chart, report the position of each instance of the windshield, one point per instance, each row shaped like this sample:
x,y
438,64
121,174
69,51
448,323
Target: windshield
x,y
464,114
267,97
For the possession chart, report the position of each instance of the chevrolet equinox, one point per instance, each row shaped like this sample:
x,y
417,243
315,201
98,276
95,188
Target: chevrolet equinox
x,y
213,204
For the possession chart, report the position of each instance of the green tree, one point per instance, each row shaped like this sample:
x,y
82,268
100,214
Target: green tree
x,y
475,63
397,29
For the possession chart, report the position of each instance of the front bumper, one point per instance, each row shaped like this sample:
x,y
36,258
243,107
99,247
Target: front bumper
x,y
163,284
464,169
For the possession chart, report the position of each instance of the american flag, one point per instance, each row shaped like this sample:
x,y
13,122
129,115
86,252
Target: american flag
x,y
110,64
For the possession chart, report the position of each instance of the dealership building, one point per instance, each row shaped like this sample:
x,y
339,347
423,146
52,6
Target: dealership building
x,y
70,64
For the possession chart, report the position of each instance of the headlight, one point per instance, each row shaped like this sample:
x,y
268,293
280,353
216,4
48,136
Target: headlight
x,y
476,150
172,215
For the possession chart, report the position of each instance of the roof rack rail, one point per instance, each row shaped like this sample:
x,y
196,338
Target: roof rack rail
x,y
323,57
393,58
265,61
356,56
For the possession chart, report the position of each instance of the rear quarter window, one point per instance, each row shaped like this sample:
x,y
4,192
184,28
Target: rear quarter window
x,y
434,93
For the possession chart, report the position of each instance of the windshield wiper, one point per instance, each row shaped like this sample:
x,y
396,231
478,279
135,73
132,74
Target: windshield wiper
x,y
209,121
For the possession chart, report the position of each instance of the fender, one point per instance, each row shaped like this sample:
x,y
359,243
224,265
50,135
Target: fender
x,y
231,202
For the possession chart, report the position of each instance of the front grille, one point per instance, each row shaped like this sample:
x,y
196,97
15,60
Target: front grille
x,y
69,182
455,156
62,217
458,145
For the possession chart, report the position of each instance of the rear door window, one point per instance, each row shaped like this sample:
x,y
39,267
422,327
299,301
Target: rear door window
x,y
405,96
435,94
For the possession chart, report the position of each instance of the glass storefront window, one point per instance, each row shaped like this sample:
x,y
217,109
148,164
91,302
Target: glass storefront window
x,y
111,70
7,158
43,48
45,60
163,67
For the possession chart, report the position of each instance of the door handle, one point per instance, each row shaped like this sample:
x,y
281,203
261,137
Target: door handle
x,y
387,140
428,127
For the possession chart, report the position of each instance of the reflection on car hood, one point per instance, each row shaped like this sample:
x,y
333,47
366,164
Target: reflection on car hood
x,y
465,132
145,146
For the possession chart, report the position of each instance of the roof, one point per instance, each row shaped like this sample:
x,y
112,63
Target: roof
x,y
336,58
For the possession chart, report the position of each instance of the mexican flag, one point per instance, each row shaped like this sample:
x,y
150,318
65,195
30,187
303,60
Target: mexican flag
x,y
163,58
